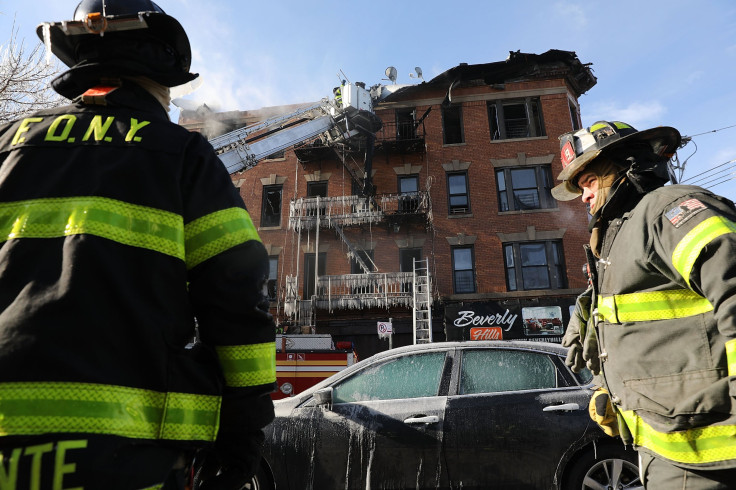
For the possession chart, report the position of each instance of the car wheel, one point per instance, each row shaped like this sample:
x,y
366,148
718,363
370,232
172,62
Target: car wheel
x,y
260,481
607,467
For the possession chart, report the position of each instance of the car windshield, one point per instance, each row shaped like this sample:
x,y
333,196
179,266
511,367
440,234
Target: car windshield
x,y
412,376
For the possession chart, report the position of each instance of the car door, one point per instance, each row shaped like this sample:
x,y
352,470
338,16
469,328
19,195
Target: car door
x,y
510,420
384,427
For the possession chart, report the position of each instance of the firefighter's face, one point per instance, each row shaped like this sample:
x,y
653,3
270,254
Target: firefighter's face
x,y
588,183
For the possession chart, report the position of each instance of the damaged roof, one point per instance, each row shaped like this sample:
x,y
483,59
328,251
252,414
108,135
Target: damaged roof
x,y
517,67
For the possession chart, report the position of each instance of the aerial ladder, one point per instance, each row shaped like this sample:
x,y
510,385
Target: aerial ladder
x,y
348,119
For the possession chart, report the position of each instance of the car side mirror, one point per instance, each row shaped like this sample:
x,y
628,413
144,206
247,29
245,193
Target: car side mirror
x,y
323,397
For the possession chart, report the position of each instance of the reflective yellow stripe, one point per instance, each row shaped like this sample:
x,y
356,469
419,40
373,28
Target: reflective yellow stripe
x,y
689,248
47,407
652,305
125,223
694,446
731,357
248,365
216,232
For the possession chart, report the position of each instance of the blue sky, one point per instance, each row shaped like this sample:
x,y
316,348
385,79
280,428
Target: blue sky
x,y
658,62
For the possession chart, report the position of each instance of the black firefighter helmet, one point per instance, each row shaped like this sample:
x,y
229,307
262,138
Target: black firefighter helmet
x,y
118,38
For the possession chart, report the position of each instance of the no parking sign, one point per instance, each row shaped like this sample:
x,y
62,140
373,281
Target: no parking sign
x,y
385,328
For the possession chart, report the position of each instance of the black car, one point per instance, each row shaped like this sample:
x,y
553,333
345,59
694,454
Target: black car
x,y
497,414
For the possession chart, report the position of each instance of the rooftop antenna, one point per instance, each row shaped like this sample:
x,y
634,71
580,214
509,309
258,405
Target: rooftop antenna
x,y
418,75
391,74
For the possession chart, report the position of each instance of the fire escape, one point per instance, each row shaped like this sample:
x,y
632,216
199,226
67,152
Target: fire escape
x,y
315,215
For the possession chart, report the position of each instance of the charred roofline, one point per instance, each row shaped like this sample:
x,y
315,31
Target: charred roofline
x,y
517,67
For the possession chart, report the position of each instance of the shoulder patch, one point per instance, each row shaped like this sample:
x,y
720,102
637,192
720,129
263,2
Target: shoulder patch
x,y
684,211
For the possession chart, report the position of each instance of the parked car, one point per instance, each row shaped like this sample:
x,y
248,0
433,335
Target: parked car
x,y
494,414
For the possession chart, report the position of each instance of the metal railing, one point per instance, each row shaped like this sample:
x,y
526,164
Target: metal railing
x,y
353,210
354,291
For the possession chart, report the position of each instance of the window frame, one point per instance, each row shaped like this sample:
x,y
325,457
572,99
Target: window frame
x,y
543,178
454,209
498,122
554,264
455,271
441,355
408,200
271,219
273,277
457,125
406,128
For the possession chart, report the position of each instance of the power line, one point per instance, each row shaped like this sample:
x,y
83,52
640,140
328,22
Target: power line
x,y
709,173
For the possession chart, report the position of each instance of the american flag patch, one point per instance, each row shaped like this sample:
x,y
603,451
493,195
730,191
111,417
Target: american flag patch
x,y
684,211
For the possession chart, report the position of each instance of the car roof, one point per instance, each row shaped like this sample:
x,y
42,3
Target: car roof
x,y
549,347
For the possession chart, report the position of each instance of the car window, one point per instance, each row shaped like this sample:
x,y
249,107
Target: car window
x,y
493,370
411,376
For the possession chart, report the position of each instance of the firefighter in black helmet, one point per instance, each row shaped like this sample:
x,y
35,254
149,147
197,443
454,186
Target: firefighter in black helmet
x,y
117,230
658,324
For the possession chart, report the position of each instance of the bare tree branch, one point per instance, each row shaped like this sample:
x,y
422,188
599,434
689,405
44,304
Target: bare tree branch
x,y
24,79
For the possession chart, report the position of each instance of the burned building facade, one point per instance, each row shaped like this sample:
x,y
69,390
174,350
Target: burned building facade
x,y
441,222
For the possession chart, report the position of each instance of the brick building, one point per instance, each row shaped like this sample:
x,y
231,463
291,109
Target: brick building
x,y
455,229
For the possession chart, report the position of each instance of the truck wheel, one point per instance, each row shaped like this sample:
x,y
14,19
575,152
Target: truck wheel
x,y
608,467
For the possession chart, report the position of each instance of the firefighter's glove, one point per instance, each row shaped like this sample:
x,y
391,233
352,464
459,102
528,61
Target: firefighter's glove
x,y
576,330
230,464
602,413
236,454
590,351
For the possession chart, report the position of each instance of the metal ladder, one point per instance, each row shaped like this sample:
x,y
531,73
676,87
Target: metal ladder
x,y
422,293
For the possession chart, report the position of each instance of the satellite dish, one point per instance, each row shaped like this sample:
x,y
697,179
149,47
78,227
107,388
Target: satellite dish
x,y
418,75
391,73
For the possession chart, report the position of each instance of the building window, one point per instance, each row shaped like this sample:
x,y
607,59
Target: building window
x,y
457,193
271,285
271,206
515,118
315,189
463,270
366,256
574,117
524,188
534,265
452,125
408,193
405,124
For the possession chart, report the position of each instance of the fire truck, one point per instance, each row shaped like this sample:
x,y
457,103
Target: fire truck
x,y
305,360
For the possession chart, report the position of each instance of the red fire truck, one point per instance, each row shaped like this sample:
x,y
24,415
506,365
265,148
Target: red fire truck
x,y
305,360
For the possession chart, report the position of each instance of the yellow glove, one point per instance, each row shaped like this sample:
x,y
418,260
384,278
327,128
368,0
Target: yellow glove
x,y
601,411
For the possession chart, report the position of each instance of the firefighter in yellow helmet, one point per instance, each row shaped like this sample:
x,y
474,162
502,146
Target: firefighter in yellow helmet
x,y
117,229
660,325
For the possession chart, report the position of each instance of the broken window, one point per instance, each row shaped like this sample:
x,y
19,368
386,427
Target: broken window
x,y
534,265
457,193
463,269
574,117
523,188
452,125
515,118
406,128
271,206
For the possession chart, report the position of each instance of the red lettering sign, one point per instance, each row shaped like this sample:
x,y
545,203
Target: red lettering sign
x,y
486,333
